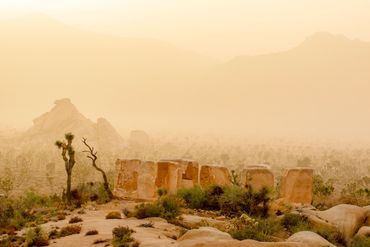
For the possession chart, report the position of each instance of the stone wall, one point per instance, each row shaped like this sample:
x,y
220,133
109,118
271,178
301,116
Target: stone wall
x,y
296,185
257,177
141,180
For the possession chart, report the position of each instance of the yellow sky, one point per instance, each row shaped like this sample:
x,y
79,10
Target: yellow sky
x,y
219,28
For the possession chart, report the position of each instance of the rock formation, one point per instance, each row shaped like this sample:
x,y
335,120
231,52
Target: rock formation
x,y
135,179
63,118
257,177
214,175
296,185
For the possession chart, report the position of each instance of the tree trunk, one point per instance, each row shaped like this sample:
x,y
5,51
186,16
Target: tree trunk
x,y
106,184
69,182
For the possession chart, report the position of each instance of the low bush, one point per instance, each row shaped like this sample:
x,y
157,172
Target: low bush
x,y
113,215
245,227
36,237
20,211
91,232
122,236
360,242
75,219
194,197
69,230
167,207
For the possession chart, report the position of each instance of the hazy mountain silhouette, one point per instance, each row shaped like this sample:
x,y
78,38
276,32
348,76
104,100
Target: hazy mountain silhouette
x,y
64,118
319,85
37,49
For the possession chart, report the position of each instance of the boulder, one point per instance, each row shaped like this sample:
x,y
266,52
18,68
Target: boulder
x,y
364,231
296,185
214,175
310,239
211,237
257,177
347,219
367,208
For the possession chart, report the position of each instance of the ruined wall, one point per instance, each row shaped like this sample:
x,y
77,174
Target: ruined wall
x,y
296,185
135,179
257,177
214,175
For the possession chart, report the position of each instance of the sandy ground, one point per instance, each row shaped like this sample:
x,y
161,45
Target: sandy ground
x,y
161,234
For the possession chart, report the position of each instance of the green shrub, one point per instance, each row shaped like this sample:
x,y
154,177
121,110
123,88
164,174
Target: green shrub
x,y
36,237
122,236
235,201
113,215
245,227
295,223
194,197
360,242
146,210
213,194
162,192
167,207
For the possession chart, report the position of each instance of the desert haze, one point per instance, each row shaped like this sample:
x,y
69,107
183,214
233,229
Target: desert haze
x,y
184,123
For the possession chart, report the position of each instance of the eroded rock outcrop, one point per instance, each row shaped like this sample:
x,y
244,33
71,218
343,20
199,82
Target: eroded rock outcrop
x,y
310,239
257,177
214,175
296,185
135,179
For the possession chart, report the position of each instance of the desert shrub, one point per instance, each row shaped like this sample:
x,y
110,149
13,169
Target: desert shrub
x,y
213,194
295,223
170,207
321,192
113,215
36,237
12,241
100,241
91,191
194,197
245,227
167,207
75,219
359,241
146,210
357,192
69,230
235,201
162,192
91,232
18,212
122,236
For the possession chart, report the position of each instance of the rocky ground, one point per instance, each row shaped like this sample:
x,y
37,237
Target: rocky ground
x,y
203,231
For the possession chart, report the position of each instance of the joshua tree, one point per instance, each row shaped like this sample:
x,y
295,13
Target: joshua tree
x,y
68,155
92,155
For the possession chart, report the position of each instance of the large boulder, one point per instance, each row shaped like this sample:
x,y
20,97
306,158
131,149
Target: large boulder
x,y
257,177
347,219
310,239
364,231
214,175
296,185
190,172
211,237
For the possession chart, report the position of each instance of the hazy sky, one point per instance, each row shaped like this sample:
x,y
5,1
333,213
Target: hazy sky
x,y
219,28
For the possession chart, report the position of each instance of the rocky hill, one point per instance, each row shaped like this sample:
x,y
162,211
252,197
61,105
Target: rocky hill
x,y
63,118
